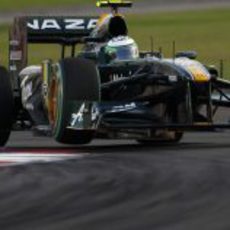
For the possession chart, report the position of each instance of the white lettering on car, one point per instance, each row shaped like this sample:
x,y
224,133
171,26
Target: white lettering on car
x,y
67,24
50,24
74,24
34,25
92,24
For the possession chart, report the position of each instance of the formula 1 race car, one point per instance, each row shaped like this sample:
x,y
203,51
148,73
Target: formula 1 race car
x,y
110,89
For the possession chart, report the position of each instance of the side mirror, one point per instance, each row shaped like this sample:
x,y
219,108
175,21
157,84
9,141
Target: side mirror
x,y
213,71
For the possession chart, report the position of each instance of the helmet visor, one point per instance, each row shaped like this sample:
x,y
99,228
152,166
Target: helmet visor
x,y
126,52
123,52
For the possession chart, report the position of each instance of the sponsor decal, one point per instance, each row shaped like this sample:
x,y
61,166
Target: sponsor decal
x,y
78,117
86,117
173,78
62,24
116,77
123,108
45,89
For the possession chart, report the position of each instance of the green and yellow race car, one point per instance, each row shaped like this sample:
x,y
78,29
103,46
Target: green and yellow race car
x,y
110,89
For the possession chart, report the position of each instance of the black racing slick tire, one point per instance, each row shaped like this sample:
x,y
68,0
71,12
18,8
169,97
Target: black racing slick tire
x,y
78,80
6,106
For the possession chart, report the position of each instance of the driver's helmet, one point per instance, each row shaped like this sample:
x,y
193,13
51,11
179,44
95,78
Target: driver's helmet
x,y
121,48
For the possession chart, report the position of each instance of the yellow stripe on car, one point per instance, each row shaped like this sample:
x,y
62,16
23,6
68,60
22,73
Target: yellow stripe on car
x,y
198,74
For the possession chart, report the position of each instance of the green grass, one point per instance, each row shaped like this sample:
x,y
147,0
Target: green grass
x,y
205,31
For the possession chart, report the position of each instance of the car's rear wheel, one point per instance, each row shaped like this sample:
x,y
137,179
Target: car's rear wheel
x,y
163,138
76,81
6,106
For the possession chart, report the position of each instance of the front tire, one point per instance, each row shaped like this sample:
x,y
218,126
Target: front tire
x,y
77,80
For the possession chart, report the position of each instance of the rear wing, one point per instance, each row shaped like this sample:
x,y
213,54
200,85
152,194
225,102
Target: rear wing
x,y
58,29
43,29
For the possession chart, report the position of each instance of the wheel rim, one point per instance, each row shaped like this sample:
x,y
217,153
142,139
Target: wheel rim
x,y
57,102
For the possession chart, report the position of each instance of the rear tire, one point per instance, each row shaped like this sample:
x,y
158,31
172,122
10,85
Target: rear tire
x,y
77,81
6,106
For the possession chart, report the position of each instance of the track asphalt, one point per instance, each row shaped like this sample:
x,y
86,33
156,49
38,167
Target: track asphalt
x,y
118,185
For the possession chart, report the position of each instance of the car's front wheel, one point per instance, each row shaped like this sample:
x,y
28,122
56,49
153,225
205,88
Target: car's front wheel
x,y
76,83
